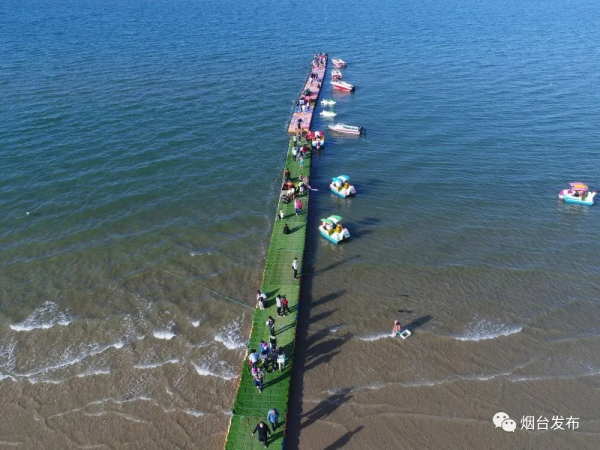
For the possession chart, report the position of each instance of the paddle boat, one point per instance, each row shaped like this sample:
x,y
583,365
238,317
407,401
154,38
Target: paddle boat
x,y
578,193
336,74
333,230
337,62
342,85
340,186
348,129
327,113
316,138
328,102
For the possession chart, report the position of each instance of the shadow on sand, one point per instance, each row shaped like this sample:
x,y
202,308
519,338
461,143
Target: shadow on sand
x,y
344,439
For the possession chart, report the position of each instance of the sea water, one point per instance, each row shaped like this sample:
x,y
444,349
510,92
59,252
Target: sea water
x,y
141,151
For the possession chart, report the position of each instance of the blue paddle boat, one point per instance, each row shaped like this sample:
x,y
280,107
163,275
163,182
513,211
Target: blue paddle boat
x,y
341,186
333,230
578,193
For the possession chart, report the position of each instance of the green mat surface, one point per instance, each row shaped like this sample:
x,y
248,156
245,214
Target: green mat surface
x,y
250,406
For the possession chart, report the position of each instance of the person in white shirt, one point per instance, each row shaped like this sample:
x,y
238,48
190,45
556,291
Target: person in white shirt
x,y
278,304
261,300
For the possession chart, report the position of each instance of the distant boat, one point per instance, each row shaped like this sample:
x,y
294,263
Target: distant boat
x,y
328,102
348,129
336,74
327,113
337,62
342,85
578,193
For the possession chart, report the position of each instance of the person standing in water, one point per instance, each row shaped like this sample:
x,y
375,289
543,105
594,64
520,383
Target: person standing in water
x,y
397,328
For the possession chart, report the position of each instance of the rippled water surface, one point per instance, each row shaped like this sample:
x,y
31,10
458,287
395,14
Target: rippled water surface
x,y
141,147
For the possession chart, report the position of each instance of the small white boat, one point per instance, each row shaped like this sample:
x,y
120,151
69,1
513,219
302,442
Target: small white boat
x,y
336,74
341,186
327,113
337,62
333,230
342,85
578,193
328,102
348,129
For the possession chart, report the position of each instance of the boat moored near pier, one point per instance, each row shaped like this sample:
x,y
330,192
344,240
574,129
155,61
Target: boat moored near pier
x,y
342,85
347,129
340,186
333,230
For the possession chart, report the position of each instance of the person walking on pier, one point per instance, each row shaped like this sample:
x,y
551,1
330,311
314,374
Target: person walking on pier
x,y
271,325
284,306
253,358
280,358
273,418
263,431
261,300
258,376
295,267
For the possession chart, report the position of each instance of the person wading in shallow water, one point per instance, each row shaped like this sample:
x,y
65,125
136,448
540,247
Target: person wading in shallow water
x,y
397,328
263,431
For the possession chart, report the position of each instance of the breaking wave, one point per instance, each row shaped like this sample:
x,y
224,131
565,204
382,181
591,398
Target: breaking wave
x,y
486,329
44,317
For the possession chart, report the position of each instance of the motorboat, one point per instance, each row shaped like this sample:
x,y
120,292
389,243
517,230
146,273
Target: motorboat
x,y
336,74
337,62
578,193
342,85
333,230
327,113
348,129
328,102
340,186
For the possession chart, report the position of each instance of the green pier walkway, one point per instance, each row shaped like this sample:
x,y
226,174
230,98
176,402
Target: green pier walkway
x,y
250,407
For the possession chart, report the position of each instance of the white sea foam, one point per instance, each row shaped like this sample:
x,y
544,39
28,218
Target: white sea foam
x,y
486,329
44,317
92,372
166,335
156,364
4,377
206,371
375,336
194,412
230,337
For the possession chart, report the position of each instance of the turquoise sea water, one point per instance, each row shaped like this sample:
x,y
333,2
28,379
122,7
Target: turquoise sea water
x,y
141,145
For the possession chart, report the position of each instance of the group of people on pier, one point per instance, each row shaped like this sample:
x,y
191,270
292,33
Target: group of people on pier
x,y
270,357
